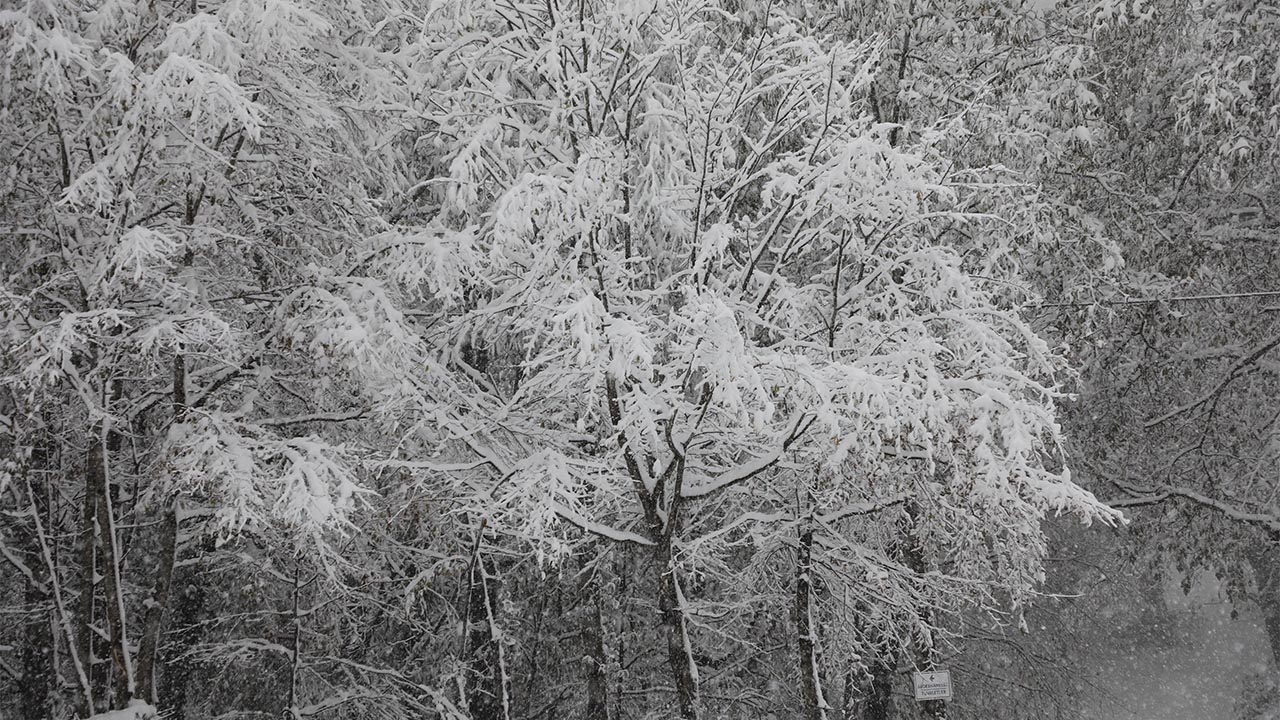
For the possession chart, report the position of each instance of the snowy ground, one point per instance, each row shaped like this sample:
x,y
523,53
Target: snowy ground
x,y
1190,669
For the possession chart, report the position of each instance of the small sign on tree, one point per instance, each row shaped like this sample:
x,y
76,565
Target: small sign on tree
x,y
932,685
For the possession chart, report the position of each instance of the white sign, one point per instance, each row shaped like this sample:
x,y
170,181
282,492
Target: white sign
x,y
932,685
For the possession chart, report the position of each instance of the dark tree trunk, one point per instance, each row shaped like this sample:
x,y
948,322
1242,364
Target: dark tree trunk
x,y
878,703
684,668
153,624
621,565
849,696
488,687
914,557
662,530
806,632
84,606
597,676
189,596
37,656
543,591
96,479
593,637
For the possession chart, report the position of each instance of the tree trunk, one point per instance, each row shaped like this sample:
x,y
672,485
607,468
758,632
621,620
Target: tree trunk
x,y
295,664
88,571
684,668
488,687
189,596
848,695
806,632
878,704
153,626
37,655
621,566
96,476
543,593
593,639
926,654
662,530
597,677
153,623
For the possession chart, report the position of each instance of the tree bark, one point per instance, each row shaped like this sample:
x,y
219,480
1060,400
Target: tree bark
x,y
684,668
96,471
806,632
60,616
597,676
188,605
621,565
153,623
878,704
37,654
153,627
295,664
98,532
488,687
926,654
593,639
848,695
88,571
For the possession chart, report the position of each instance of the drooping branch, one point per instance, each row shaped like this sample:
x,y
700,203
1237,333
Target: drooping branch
x,y
1237,370
751,468
1139,497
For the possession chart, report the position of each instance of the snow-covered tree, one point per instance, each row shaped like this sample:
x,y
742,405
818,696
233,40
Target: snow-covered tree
x,y
710,301
179,330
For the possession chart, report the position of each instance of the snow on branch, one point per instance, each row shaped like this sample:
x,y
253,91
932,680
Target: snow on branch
x,y
1237,370
1269,522
749,469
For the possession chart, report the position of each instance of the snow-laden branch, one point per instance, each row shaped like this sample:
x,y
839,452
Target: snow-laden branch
x,y
1141,497
861,508
1161,300
596,528
747,470
786,520
1236,371
335,417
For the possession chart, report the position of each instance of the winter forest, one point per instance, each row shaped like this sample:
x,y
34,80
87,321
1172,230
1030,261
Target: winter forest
x,y
638,359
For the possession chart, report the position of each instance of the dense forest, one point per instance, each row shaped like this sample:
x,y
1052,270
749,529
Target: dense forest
x,y
699,359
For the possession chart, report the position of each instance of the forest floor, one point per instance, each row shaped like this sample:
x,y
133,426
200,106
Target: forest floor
x,y
1190,664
